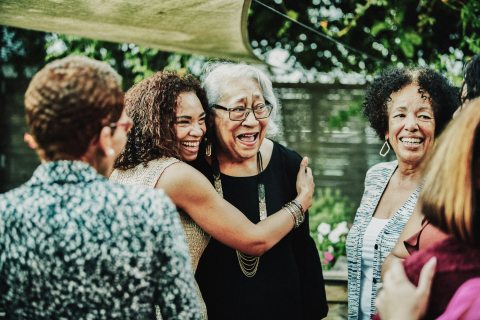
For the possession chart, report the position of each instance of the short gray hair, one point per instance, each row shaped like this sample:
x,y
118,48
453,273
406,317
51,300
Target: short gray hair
x,y
219,72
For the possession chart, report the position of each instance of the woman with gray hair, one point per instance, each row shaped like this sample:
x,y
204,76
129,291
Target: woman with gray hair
x,y
256,175
168,116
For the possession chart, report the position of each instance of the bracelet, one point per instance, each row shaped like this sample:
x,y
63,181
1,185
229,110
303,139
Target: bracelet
x,y
294,208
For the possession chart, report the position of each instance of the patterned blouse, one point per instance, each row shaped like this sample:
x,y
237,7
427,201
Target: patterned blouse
x,y
376,181
75,246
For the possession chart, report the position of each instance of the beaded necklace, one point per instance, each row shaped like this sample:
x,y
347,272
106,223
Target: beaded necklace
x,y
248,264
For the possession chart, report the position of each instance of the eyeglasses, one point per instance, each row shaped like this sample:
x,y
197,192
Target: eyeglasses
x,y
260,111
127,125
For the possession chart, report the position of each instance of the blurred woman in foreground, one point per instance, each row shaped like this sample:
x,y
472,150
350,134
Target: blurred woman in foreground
x,y
72,244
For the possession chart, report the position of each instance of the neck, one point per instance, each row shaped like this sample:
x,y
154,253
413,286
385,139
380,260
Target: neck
x,y
408,173
237,167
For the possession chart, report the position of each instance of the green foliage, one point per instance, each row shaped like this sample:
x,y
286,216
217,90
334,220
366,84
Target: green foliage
x,y
341,118
330,215
292,14
387,32
133,62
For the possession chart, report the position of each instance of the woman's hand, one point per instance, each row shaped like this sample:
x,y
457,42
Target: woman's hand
x,y
305,185
400,299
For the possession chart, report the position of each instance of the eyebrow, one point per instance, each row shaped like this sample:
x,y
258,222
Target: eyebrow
x,y
244,98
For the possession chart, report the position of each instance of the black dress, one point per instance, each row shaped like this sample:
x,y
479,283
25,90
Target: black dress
x,y
289,281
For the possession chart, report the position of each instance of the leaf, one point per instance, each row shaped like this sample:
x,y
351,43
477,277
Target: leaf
x,y
378,27
293,15
413,38
407,48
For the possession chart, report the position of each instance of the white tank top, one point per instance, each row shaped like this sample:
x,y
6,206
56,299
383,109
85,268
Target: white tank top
x,y
371,234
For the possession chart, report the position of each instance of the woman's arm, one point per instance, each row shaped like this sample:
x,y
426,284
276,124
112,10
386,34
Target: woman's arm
x,y
399,252
193,193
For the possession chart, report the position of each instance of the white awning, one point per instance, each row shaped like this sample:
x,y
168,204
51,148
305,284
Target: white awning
x,y
213,28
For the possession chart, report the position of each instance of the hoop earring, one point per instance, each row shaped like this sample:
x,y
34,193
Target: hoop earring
x,y
382,152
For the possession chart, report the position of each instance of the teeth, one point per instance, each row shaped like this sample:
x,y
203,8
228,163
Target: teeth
x,y
247,137
411,140
191,144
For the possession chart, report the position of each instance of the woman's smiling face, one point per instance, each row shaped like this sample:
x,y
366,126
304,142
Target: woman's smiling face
x,y
189,125
240,140
411,124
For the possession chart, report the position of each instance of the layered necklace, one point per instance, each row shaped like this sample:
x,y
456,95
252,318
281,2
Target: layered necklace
x,y
248,264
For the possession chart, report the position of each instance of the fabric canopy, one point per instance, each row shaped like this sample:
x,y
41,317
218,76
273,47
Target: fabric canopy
x,y
214,28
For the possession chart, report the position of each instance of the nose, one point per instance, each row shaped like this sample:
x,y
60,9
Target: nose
x,y
197,130
250,119
411,123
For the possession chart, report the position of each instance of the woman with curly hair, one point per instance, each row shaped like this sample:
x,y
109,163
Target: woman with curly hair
x,y
407,108
450,200
168,113
418,233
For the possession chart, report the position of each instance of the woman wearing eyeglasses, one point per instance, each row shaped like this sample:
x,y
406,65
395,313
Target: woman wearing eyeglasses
x,y
256,175
169,123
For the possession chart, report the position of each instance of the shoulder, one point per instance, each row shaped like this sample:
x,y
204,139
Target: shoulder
x,y
382,169
180,172
137,198
289,156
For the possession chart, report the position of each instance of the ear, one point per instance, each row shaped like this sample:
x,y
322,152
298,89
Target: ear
x,y
30,141
105,141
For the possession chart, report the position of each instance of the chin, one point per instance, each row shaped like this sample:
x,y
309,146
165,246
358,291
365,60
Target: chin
x,y
189,158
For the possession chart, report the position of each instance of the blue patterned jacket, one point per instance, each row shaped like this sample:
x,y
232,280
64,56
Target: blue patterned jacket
x,y
75,246
376,181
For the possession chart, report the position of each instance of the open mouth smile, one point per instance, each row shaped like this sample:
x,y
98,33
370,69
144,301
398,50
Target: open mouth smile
x,y
191,145
411,142
248,138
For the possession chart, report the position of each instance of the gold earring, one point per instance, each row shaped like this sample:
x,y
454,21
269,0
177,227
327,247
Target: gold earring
x,y
208,148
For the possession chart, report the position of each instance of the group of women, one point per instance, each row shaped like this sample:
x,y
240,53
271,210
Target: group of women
x,y
74,245
260,264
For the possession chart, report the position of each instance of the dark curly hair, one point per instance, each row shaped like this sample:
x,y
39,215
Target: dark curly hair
x,y
152,106
443,95
68,102
471,81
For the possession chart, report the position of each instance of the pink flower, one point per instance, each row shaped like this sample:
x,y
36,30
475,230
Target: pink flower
x,y
328,256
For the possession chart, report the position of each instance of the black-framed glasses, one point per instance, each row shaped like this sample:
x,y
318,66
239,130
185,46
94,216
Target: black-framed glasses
x,y
260,111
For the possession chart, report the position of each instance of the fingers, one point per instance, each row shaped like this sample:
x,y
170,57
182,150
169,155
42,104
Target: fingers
x,y
396,271
426,275
396,274
304,164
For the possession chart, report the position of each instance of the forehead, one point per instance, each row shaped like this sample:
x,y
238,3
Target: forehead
x,y
409,97
188,102
238,89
